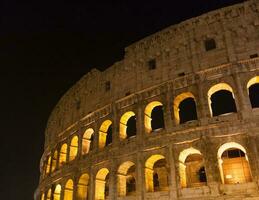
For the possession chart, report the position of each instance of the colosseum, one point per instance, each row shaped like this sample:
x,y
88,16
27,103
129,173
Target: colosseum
x,y
177,118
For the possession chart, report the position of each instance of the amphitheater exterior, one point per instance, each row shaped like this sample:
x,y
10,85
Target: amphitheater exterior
x,y
177,118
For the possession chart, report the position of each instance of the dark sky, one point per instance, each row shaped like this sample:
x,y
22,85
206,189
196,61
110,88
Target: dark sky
x,y
45,47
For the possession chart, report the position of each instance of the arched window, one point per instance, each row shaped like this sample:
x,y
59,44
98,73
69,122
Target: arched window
x,y
42,196
221,99
105,134
156,175
102,184
73,149
87,142
128,125
191,168
82,187
54,161
48,165
68,192
185,108
253,91
233,164
63,155
49,195
57,192
126,183
154,117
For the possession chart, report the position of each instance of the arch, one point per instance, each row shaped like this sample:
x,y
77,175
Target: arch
x,y
102,184
73,148
148,118
57,192
68,192
126,179
49,194
54,161
126,129
82,187
253,91
233,163
180,99
42,196
156,175
63,155
48,165
223,92
87,141
191,168
105,134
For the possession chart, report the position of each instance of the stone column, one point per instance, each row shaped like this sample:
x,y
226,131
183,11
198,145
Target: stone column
x,y
91,187
113,182
172,177
121,182
202,104
168,105
115,126
140,180
140,122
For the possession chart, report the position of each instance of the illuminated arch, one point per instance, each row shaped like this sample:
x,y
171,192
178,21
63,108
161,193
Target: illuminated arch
x,y
160,173
54,161
49,195
73,148
216,88
57,192
148,115
100,183
234,169
63,155
253,91
87,141
188,170
126,183
68,192
124,124
82,187
48,165
42,196
180,98
103,132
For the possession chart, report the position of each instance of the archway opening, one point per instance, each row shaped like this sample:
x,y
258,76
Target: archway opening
x,y
191,168
105,134
82,187
48,165
63,155
54,161
102,184
87,141
49,195
42,196
126,179
68,192
57,192
154,116
253,91
185,108
233,164
73,149
128,125
156,174
221,99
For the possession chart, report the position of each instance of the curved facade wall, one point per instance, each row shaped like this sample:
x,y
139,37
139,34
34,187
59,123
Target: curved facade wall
x,y
92,153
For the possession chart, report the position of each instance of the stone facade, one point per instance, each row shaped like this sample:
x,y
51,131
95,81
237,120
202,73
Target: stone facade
x,y
216,51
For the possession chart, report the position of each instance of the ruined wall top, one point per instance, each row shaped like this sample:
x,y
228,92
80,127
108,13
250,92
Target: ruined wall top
x,y
177,50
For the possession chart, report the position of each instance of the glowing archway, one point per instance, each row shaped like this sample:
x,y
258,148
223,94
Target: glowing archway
x,y
217,88
73,148
54,161
124,124
49,195
68,192
82,187
87,141
156,177
63,155
48,165
233,163
126,181
180,98
148,115
57,192
103,133
101,184
253,91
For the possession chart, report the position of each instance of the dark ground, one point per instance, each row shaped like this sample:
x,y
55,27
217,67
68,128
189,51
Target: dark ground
x,y
45,47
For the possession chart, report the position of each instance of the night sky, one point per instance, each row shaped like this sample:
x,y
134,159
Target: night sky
x,y
45,47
